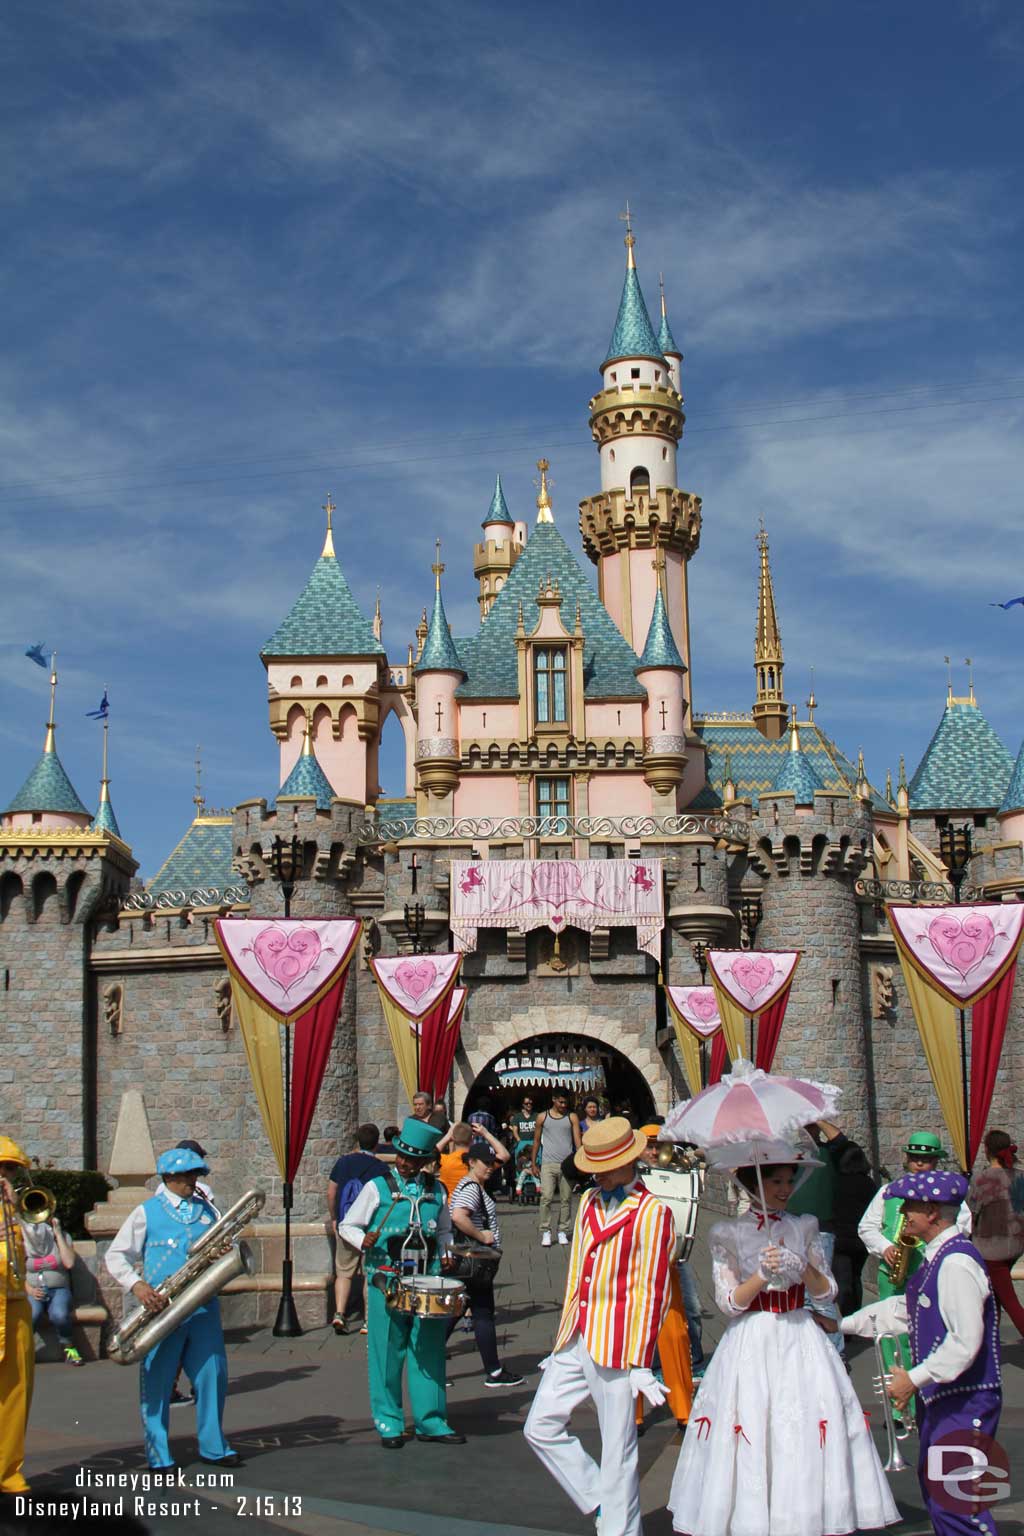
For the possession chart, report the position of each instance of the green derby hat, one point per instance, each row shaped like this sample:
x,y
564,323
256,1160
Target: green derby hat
x,y
924,1144
417,1139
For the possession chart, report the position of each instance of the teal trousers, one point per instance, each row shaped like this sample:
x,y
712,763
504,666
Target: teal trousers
x,y
417,1346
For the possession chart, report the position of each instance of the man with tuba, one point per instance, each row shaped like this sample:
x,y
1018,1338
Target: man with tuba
x,y
17,1350
881,1232
158,1235
953,1322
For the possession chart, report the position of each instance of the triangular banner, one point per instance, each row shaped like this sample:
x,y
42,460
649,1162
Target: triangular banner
x,y
961,952
286,964
697,1008
753,978
416,983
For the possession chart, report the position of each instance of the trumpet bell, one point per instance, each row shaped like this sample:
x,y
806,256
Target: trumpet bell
x,y
666,1154
35,1205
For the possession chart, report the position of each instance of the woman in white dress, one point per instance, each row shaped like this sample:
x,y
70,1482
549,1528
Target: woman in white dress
x,y
777,1443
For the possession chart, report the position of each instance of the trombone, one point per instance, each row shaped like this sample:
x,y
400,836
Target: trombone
x,y
894,1461
31,1205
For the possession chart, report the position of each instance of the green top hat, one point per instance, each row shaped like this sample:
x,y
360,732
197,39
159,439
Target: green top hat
x,y
924,1144
417,1139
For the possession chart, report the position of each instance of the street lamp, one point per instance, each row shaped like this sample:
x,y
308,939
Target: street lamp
x,y
751,912
699,950
285,861
956,852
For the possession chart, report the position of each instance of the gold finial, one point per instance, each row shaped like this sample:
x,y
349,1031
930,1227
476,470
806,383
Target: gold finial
x,y
794,730
968,663
104,781
544,514
812,702
198,799
888,785
378,621
729,783
630,237
307,739
51,725
661,286
328,549
658,566
437,567
949,680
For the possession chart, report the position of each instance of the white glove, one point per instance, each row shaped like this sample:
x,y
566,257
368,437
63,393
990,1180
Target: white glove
x,y
645,1381
542,1365
786,1269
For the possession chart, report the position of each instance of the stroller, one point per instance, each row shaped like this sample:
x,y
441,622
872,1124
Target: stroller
x,y
527,1188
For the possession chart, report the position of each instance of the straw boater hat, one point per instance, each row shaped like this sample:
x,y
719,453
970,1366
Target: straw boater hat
x,y
609,1144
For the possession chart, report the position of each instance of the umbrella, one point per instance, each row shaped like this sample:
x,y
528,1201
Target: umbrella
x,y
742,1115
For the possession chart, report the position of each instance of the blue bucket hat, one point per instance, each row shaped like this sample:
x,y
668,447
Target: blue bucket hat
x,y
941,1187
417,1139
180,1160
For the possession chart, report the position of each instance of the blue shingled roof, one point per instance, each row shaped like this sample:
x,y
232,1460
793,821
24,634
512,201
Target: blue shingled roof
x,y
633,335
202,858
666,341
1013,800
660,649
307,778
48,788
325,619
105,820
796,776
489,658
755,763
498,511
965,766
439,653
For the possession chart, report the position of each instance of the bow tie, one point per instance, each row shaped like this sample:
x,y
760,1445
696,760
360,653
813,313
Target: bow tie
x,y
612,1197
761,1216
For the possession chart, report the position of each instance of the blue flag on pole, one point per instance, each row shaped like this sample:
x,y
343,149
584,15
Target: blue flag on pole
x,y
35,653
103,711
1011,604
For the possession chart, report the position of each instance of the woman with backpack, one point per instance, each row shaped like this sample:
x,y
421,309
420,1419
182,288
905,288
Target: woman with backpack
x,y
475,1219
348,1176
996,1203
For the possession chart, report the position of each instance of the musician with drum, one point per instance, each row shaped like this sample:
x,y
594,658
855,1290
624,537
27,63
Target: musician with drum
x,y
158,1236
17,1351
403,1226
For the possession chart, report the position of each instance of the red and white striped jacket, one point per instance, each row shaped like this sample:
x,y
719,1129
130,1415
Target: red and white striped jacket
x,y
617,1289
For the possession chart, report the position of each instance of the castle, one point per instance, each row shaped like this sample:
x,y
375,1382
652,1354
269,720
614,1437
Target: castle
x,y
564,727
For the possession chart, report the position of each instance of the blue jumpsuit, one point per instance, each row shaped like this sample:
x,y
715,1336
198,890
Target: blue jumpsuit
x,y
198,1343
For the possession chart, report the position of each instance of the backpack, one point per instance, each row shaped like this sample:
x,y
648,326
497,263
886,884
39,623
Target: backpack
x,y
347,1196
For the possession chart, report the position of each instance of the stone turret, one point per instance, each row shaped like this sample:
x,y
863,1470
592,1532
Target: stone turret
x,y
662,672
438,673
502,545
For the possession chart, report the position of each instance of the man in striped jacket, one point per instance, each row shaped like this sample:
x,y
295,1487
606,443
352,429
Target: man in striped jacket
x,y
616,1296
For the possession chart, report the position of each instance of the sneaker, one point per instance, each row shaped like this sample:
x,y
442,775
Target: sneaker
x,y
182,1399
72,1356
545,1239
563,1239
503,1378
339,1324
364,1329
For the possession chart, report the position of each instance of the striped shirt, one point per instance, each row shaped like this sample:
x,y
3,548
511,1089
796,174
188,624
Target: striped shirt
x,y
617,1288
470,1196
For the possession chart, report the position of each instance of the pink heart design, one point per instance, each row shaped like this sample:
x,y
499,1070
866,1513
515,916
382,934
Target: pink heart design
x,y
962,942
556,920
416,977
704,1004
286,957
555,881
752,973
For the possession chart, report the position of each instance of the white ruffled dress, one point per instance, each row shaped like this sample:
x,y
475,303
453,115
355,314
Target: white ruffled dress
x,y
777,1443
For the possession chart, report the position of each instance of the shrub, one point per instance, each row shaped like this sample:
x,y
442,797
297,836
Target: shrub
x,y
76,1191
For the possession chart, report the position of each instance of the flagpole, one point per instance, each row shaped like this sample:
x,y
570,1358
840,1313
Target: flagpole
x,y
286,1325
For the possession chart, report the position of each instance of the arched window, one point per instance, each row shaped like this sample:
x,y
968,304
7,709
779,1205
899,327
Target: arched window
x,y
348,681
296,682
321,681
639,482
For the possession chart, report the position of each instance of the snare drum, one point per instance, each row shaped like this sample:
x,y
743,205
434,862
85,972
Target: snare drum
x,y
680,1190
428,1296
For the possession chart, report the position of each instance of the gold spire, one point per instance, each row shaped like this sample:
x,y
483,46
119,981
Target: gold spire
x,y
198,799
769,701
104,781
949,680
307,739
794,730
437,567
544,514
970,679
328,550
862,788
630,240
51,725
378,620
812,702
658,566
888,786
661,286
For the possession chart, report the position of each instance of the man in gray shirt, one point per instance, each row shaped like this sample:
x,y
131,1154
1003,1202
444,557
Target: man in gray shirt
x,y
556,1136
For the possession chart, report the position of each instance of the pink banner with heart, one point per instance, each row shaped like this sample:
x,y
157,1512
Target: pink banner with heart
x,y
416,983
697,1007
963,952
286,964
558,893
753,978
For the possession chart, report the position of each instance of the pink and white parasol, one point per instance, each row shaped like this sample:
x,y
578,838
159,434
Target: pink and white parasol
x,y
751,1106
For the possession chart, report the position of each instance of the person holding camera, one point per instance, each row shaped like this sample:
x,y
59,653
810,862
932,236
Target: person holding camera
x,y
475,1218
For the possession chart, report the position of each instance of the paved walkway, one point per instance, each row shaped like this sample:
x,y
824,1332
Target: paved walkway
x,y
298,1413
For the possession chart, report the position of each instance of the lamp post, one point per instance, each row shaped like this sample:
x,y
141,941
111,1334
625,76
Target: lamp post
x,y
699,950
285,859
956,852
414,921
751,912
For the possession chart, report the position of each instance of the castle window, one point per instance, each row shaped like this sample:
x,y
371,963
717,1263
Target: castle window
x,y
640,482
657,375
296,682
553,800
346,681
634,373
615,377
549,684
321,681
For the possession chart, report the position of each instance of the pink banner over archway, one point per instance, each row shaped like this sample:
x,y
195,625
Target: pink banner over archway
x,y
696,1019
415,994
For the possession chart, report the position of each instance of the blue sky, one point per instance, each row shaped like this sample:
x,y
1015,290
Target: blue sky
x,y
254,252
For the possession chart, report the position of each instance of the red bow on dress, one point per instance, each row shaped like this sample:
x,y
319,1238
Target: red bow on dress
x,y
769,1215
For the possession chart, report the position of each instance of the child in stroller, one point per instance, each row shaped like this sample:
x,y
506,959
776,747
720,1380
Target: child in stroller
x,y
527,1187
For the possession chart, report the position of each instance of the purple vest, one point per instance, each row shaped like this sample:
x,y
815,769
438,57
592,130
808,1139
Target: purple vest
x,y
927,1330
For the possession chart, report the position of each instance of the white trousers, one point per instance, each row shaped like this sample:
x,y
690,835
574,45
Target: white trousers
x,y
570,1377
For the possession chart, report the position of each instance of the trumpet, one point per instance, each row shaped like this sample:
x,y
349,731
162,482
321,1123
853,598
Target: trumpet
x,y
894,1461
